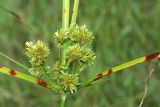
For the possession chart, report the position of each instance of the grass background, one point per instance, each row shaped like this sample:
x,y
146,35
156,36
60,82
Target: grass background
x,y
124,30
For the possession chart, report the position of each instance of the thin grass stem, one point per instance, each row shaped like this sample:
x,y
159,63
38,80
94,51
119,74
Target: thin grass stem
x,y
14,61
121,67
65,25
63,99
52,86
74,13
65,14
148,80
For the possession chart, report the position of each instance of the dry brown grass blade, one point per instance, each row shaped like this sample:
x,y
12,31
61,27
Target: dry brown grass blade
x,y
148,80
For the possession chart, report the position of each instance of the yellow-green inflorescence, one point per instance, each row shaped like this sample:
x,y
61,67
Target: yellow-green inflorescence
x,y
75,42
37,53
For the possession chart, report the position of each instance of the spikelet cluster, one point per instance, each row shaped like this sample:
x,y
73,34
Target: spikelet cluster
x,y
79,54
69,82
74,34
37,53
59,37
80,35
76,41
75,54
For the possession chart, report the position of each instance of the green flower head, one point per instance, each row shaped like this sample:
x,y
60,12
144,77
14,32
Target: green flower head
x,y
69,82
80,35
57,70
37,53
80,54
37,71
59,37
87,55
73,53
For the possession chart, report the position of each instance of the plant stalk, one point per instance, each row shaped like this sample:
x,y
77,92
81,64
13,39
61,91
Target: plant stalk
x,y
75,11
63,99
14,61
65,25
120,67
148,80
65,14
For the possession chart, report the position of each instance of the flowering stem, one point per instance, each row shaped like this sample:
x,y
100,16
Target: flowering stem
x,y
74,13
65,25
65,14
63,99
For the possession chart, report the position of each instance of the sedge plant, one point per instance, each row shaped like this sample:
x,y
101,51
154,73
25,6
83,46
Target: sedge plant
x,y
73,43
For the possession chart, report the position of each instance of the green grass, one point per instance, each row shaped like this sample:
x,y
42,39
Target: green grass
x,y
123,30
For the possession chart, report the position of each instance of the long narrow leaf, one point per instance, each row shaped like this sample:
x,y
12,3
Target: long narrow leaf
x,y
28,78
120,67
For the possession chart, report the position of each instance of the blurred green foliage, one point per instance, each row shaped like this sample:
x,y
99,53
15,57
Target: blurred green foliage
x,y
124,30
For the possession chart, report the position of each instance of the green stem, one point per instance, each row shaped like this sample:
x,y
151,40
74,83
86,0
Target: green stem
x,y
83,85
16,62
74,13
63,56
65,14
26,77
65,25
120,67
63,99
